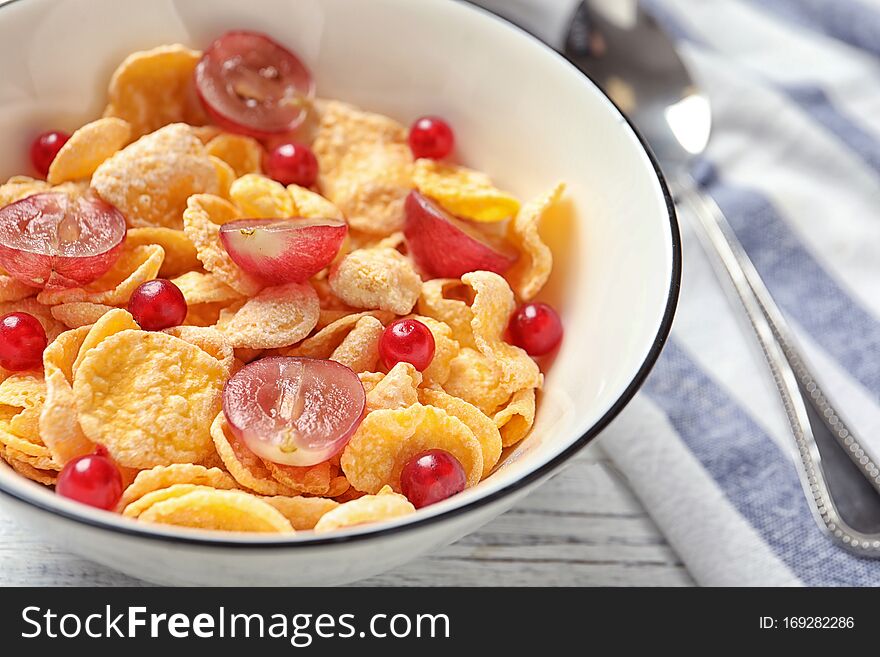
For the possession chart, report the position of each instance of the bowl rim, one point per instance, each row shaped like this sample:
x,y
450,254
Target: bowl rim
x,y
545,469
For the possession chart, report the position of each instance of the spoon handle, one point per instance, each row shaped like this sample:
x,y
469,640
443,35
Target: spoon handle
x,y
840,479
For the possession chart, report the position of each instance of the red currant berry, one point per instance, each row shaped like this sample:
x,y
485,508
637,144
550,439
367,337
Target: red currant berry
x,y
92,479
22,341
408,341
157,305
431,137
44,149
432,476
536,328
292,164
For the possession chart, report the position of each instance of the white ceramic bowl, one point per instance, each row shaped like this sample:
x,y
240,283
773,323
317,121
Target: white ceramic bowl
x,y
521,113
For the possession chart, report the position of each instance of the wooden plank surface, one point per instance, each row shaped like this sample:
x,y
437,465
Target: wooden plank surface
x,y
581,528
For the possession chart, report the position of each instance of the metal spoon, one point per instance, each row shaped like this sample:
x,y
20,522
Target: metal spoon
x,y
627,54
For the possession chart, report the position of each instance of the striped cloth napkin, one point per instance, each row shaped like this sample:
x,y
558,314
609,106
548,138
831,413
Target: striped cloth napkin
x,y
794,162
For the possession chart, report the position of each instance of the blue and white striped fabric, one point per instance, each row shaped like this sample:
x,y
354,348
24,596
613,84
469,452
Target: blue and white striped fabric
x,y
795,164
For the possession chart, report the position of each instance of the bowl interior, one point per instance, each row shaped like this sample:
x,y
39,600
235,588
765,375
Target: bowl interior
x,y
520,113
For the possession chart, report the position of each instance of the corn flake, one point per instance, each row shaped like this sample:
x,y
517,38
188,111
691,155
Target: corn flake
x,y
226,510
387,439
150,180
153,88
200,287
516,419
134,266
259,197
481,425
12,289
477,380
370,508
19,187
180,253
530,273
113,322
164,476
87,149
359,350
309,205
377,278
276,317
311,480
396,390
302,512
208,340
455,313
59,423
144,396
463,192
202,219
323,343
445,350
247,468
243,154
138,506
365,166
79,313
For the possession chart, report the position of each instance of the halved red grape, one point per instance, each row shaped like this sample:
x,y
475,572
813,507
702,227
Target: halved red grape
x,y
294,411
446,247
250,84
59,240
283,250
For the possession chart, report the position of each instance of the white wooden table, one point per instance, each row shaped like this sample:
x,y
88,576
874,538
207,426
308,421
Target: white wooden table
x,y
583,527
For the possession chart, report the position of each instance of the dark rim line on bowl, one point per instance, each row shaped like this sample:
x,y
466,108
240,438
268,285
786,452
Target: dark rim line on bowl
x,y
546,469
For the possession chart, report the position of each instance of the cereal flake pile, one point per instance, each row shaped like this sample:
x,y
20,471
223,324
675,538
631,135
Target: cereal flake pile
x,y
354,251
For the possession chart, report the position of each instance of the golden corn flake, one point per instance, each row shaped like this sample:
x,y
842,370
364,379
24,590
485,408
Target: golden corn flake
x,y
492,307
202,219
12,289
79,313
27,423
302,512
463,192
225,510
365,166
531,271
339,485
225,176
180,253
377,278
311,480
386,505
45,477
87,149
481,425
476,379
243,154
323,343
116,321
247,468
259,197
455,313
396,390
19,187
276,317
387,439
23,389
359,350
200,287
153,88
10,441
141,504
147,397
204,314
150,180
309,205
59,422
208,340
134,266
42,463
516,419
163,476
